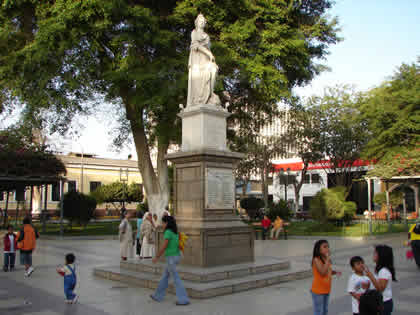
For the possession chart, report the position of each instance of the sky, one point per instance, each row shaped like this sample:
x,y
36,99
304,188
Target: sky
x,y
378,36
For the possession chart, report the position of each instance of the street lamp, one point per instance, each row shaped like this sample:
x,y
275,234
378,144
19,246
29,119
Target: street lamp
x,y
124,179
285,177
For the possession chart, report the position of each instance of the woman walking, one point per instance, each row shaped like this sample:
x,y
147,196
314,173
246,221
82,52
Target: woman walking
x,y
126,237
322,272
172,253
147,235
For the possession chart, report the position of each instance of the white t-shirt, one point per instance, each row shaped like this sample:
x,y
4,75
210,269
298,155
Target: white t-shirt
x,y
354,285
385,274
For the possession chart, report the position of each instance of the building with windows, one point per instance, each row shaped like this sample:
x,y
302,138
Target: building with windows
x,y
85,173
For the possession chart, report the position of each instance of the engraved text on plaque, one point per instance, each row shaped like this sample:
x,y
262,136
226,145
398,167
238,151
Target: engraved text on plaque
x,y
220,188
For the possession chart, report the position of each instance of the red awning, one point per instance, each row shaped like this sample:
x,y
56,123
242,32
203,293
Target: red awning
x,y
297,166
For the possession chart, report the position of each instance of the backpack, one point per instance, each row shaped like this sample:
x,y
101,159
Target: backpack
x,y
371,303
416,229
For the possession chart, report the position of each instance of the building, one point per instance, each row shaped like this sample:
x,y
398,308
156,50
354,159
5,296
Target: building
x,y
85,172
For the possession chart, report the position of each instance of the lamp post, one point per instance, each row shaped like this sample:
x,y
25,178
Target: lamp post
x,y
124,179
285,176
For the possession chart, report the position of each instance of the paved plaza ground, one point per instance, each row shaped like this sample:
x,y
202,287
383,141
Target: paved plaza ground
x,y
42,293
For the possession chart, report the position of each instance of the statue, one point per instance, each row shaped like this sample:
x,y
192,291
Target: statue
x,y
202,68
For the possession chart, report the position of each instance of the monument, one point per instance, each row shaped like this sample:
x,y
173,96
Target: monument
x,y
204,192
218,258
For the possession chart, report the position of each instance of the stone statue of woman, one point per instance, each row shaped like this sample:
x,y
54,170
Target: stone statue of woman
x,y
202,68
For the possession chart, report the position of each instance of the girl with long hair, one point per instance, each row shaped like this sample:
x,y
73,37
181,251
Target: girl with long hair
x,y
384,274
171,250
322,272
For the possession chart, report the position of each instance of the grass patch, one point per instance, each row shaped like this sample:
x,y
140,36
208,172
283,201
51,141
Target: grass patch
x,y
92,229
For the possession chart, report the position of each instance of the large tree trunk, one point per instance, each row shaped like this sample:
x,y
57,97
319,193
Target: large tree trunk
x,y
156,185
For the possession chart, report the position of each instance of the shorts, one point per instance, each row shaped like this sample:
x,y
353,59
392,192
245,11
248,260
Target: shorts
x,y
26,258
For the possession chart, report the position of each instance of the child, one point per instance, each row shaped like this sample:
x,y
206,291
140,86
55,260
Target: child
x,y
322,272
10,245
68,271
358,282
384,275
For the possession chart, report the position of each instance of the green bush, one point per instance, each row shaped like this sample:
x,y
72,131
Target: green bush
x,y
143,207
395,198
331,204
78,207
252,206
280,209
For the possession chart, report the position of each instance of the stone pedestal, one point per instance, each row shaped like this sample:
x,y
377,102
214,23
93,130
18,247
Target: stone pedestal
x,y
204,200
203,127
204,192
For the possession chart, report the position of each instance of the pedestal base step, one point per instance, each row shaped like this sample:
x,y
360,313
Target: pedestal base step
x,y
197,274
205,290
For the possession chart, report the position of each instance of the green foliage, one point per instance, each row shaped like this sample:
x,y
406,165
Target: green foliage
x,y
392,112
21,157
251,206
78,207
331,204
143,207
343,135
395,198
118,192
280,209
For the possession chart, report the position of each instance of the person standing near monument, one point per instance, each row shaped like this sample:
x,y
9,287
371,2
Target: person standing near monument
x,y
170,248
126,237
147,235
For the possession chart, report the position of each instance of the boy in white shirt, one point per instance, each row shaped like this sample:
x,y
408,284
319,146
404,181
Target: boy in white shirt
x,y
358,283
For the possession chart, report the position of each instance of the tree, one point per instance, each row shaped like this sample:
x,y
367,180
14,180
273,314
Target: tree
x,y
118,192
78,207
303,133
59,56
331,204
392,112
395,199
343,135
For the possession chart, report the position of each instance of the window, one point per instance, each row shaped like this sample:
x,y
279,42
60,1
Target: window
x,y
307,179
1,196
94,186
71,185
315,179
20,194
55,192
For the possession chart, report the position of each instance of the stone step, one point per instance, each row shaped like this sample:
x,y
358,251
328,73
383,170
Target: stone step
x,y
210,289
196,274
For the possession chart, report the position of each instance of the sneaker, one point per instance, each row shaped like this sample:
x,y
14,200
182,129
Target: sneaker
x,y
67,301
30,271
5,269
75,299
12,269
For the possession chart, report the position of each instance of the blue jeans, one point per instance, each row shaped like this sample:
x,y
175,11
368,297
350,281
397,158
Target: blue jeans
x,y
170,270
9,260
320,303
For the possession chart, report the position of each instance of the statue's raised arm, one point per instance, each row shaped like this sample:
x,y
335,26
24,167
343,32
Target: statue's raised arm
x,y
202,68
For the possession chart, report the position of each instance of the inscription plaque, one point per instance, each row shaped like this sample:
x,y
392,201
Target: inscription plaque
x,y
220,188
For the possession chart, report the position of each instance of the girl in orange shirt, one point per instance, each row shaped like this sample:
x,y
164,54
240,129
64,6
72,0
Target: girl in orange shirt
x,y
322,272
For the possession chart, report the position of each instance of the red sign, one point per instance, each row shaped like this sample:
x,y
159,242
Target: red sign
x,y
298,166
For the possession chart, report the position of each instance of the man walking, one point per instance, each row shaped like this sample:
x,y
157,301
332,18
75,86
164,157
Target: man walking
x,y
26,243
